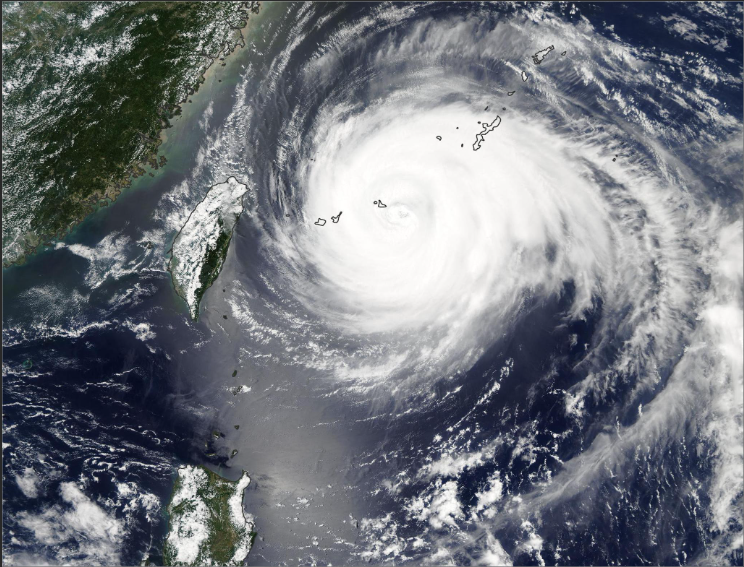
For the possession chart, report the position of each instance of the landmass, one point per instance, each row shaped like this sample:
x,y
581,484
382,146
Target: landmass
x,y
207,524
201,245
88,88
540,55
480,136
524,77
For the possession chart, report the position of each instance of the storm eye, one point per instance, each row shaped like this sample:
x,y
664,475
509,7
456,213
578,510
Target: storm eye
x,y
457,332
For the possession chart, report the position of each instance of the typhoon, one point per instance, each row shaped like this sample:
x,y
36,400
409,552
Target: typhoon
x,y
547,271
484,302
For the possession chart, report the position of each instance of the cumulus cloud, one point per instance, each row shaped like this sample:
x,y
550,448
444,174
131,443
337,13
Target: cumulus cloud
x,y
27,482
82,530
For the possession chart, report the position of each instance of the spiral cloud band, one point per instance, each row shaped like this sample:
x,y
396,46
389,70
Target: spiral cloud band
x,y
453,283
467,191
489,222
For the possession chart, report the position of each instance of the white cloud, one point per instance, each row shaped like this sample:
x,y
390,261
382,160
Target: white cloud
x,y
83,530
27,482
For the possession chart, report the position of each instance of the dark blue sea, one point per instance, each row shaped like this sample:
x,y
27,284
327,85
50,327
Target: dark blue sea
x,y
527,359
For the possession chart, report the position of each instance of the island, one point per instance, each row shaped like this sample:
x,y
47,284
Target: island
x,y
540,55
200,248
207,524
88,89
480,136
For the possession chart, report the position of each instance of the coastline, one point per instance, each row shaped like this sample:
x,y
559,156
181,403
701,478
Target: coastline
x,y
32,242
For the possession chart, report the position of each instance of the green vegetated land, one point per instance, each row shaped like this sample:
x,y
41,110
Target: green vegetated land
x,y
224,537
87,89
213,264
